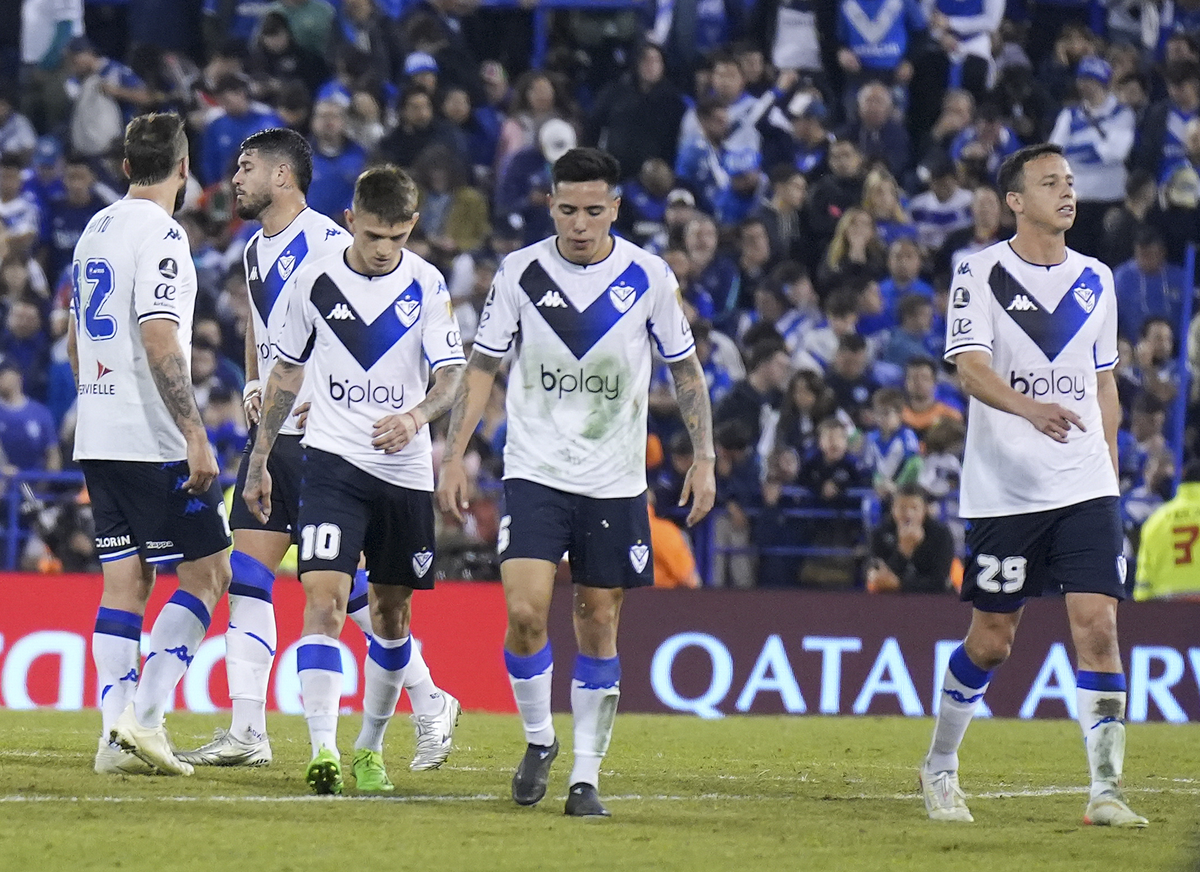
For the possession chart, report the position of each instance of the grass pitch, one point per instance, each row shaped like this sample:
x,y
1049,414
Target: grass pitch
x,y
750,793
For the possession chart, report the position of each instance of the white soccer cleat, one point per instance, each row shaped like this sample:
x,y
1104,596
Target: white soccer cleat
x,y
227,750
1109,810
944,799
114,760
148,743
435,735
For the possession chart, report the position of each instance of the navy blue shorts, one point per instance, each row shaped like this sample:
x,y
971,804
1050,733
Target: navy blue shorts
x,y
284,466
1075,549
344,511
141,507
607,541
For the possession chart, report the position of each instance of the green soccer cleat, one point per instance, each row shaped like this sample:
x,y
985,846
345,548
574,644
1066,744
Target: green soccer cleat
x,y
324,774
369,774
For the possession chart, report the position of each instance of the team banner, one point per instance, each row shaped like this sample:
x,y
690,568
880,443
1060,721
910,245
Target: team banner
x,y
705,653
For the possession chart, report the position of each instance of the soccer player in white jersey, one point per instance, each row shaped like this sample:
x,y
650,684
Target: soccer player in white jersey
x,y
582,313
373,321
143,448
273,175
1032,328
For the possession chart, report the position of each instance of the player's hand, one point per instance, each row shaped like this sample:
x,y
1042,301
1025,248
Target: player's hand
x,y
452,489
252,401
1053,420
202,466
257,492
301,414
394,432
701,485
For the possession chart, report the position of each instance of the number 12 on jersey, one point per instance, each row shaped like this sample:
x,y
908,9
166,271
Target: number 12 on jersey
x,y
97,274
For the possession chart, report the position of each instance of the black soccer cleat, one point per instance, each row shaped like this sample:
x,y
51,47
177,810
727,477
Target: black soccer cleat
x,y
529,781
584,801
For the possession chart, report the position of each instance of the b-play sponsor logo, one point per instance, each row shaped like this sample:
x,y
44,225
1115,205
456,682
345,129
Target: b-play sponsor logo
x,y
347,393
561,383
1048,384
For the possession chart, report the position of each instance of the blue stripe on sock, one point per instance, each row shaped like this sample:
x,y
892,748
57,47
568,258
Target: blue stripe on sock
x,y
193,605
115,622
528,667
1108,682
359,586
967,672
251,578
391,659
597,672
327,657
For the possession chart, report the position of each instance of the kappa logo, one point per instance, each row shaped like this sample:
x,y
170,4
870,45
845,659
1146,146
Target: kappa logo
x,y
101,370
287,263
622,296
340,312
1085,297
330,233
254,273
552,300
964,269
173,233
408,310
421,562
639,555
1022,303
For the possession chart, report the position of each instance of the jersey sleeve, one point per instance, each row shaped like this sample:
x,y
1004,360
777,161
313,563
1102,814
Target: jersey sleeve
x,y
668,324
298,332
440,335
968,316
158,266
500,321
1104,352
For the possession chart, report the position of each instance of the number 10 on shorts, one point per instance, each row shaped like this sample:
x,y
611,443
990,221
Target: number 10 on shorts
x,y
322,541
1012,569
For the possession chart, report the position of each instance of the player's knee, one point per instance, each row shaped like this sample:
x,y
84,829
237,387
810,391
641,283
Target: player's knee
x,y
989,650
526,619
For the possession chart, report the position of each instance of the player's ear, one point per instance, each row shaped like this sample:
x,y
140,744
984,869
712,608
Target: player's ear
x,y
125,168
349,216
1012,199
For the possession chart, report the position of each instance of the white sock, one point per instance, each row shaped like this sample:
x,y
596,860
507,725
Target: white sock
x,y
384,676
250,644
1101,703
115,650
174,639
423,694
962,688
319,664
358,607
530,678
595,690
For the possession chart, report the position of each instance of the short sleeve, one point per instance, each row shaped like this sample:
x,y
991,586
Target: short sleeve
x,y
500,320
1104,352
968,314
298,332
668,324
440,335
160,263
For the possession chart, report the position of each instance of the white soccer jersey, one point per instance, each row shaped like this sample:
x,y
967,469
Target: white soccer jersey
x,y
577,393
374,340
272,263
132,264
1049,330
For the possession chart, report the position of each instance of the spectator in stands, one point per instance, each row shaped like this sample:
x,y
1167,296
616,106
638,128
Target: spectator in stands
x,y
831,474
19,217
276,57
713,288
880,137
478,128
751,399
1161,146
806,402
942,210
418,129
223,136
840,310
850,377
782,214
644,202
981,147
941,464
804,307
807,148
1147,285
891,452
739,494
877,39
754,259
912,338
359,25
453,214
310,21
1121,223
25,344
536,100
956,114
68,215
911,551
1025,101
525,181
28,435
922,408
674,565
1139,502
964,33
984,230
1165,570
836,191
112,78
17,136
881,200
855,252
728,90
638,116
1155,368
903,274
337,160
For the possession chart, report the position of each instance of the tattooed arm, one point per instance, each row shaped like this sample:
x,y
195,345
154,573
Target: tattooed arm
x,y
393,432
173,379
691,392
280,395
473,392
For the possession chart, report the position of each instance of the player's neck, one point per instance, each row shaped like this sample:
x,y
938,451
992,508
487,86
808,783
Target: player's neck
x,y
282,212
602,253
1040,247
164,195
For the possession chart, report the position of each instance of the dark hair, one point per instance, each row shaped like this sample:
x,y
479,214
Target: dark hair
x,y
912,489
289,147
723,56
911,304
1179,71
781,173
852,343
587,165
154,145
12,160
1137,180
831,423
1151,321
387,192
1147,234
888,398
762,351
1148,404
921,361
841,303
1012,171
733,435
708,106
760,331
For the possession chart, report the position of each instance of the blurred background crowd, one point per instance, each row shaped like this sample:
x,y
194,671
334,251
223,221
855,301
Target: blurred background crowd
x,y
812,170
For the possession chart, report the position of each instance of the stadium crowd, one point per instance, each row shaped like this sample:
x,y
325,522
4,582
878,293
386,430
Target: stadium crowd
x,y
812,173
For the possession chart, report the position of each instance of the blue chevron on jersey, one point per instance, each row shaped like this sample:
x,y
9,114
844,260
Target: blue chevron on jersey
x,y
266,285
1049,330
367,343
580,331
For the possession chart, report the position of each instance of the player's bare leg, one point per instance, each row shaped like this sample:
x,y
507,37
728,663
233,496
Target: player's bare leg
x,y
1100,696
595,690
319,665
988,644
528,588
